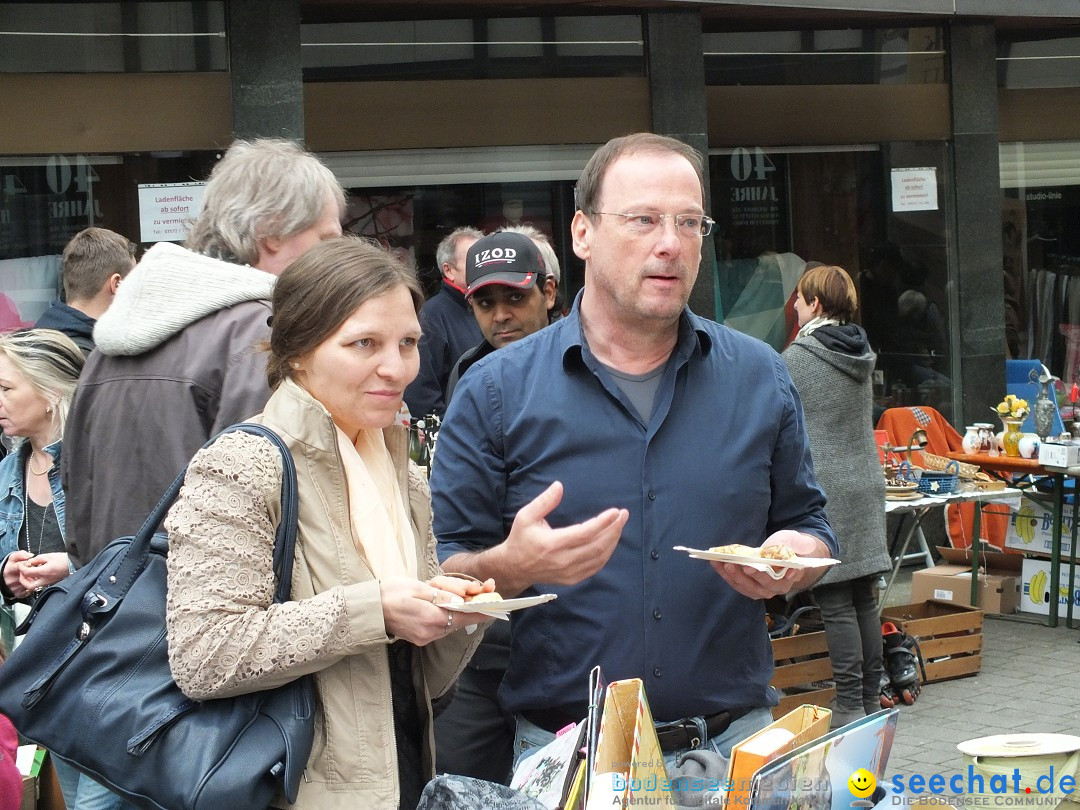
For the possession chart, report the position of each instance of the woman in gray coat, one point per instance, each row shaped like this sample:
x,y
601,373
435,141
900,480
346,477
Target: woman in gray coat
x,y
831,365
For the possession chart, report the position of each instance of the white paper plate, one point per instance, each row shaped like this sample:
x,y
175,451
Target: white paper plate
x,y
505,606
768,566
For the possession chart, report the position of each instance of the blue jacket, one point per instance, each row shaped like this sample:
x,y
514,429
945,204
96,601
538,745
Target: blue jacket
x,y
13,495
449,330
75,324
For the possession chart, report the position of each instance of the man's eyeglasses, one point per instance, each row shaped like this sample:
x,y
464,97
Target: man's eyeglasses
x,y
685,224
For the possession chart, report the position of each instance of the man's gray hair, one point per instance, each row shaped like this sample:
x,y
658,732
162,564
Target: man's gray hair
x,y
444,253
259,189
551,261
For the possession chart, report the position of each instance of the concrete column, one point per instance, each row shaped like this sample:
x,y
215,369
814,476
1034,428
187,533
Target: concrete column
x,y
979,330
675,59
265,69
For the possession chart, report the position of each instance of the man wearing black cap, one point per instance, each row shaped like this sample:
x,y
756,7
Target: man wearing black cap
x,y
511,291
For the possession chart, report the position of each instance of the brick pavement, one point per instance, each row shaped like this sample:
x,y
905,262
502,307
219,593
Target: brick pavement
x,y
1028,683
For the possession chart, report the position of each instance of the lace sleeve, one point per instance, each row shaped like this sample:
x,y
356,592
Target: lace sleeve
x,y
225,635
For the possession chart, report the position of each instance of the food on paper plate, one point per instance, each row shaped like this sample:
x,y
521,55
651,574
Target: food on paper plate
x,y
765,553
778,553
487,596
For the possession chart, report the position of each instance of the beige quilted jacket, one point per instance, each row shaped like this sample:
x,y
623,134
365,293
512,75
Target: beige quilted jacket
x,y
225,636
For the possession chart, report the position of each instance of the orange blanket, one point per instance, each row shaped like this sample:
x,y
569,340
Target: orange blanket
x,y
900,424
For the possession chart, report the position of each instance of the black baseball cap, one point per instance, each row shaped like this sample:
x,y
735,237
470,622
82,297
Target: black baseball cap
x,y
506,258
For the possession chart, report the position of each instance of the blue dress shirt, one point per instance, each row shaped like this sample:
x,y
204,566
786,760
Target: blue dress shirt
x,y
724,459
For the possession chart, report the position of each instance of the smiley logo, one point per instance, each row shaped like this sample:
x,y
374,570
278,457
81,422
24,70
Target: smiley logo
x,y
861,783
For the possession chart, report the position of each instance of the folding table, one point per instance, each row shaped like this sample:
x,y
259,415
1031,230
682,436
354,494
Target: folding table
x,y
919,507
1025,466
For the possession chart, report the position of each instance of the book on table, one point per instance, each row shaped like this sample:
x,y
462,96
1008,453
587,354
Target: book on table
x,y
799,726
818,775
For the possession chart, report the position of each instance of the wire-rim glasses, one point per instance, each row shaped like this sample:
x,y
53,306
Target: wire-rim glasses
x,y
643,223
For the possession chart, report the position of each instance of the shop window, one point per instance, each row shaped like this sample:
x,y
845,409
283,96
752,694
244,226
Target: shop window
x,y
412,220
828,56
481,48
1043,59
112,37
777,210
1041,253
45,201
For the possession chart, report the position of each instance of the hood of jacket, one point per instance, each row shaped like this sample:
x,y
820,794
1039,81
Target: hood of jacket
x,y
66,319
843,346
169,290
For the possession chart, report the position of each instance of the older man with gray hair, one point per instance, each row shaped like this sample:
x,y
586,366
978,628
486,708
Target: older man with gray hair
x,y
179,354
448,324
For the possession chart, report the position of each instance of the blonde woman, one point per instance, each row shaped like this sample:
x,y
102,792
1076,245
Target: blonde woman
x,y
39,369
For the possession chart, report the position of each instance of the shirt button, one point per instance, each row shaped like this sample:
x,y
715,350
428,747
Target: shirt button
x,y
652,496
657,672
654,554
656,613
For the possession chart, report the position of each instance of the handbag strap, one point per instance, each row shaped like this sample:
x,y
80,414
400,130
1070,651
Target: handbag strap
x,y
116,580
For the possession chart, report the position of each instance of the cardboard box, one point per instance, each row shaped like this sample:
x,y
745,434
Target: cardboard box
x,y
29,793
999,580
41,789
949,636
1035,588
1059,455
1031,528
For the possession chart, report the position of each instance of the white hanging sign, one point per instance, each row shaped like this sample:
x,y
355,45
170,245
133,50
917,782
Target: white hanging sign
x,y
167,210
914,189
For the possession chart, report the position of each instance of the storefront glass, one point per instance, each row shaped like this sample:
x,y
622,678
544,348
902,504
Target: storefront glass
x,y
412,220
1040,59
825,56
112,37
474,48
45,201
856,207
1041,253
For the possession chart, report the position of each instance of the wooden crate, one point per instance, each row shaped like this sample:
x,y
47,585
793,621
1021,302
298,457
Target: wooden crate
x,y
950,636
800,661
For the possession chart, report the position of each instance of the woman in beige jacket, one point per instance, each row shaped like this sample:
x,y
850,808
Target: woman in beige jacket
x,y
365,614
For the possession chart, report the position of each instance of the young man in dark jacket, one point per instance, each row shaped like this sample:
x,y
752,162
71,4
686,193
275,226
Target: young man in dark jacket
x,y
94,263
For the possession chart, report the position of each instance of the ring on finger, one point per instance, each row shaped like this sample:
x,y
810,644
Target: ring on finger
x,y
449,619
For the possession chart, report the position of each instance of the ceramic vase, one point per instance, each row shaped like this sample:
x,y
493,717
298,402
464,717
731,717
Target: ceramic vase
x,y
972,442
1012,437
986,437
1029,445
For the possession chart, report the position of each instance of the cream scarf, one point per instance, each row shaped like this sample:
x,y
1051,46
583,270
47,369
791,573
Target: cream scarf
x,y
381,528
816,323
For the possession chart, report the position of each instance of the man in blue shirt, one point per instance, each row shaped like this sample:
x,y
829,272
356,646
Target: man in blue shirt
x,y
690,433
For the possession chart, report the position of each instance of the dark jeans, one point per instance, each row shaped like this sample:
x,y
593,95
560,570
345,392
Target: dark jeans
x,y
473,735
853,631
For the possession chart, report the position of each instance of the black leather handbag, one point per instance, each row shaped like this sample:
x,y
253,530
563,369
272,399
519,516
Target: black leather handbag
x,y
91,682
